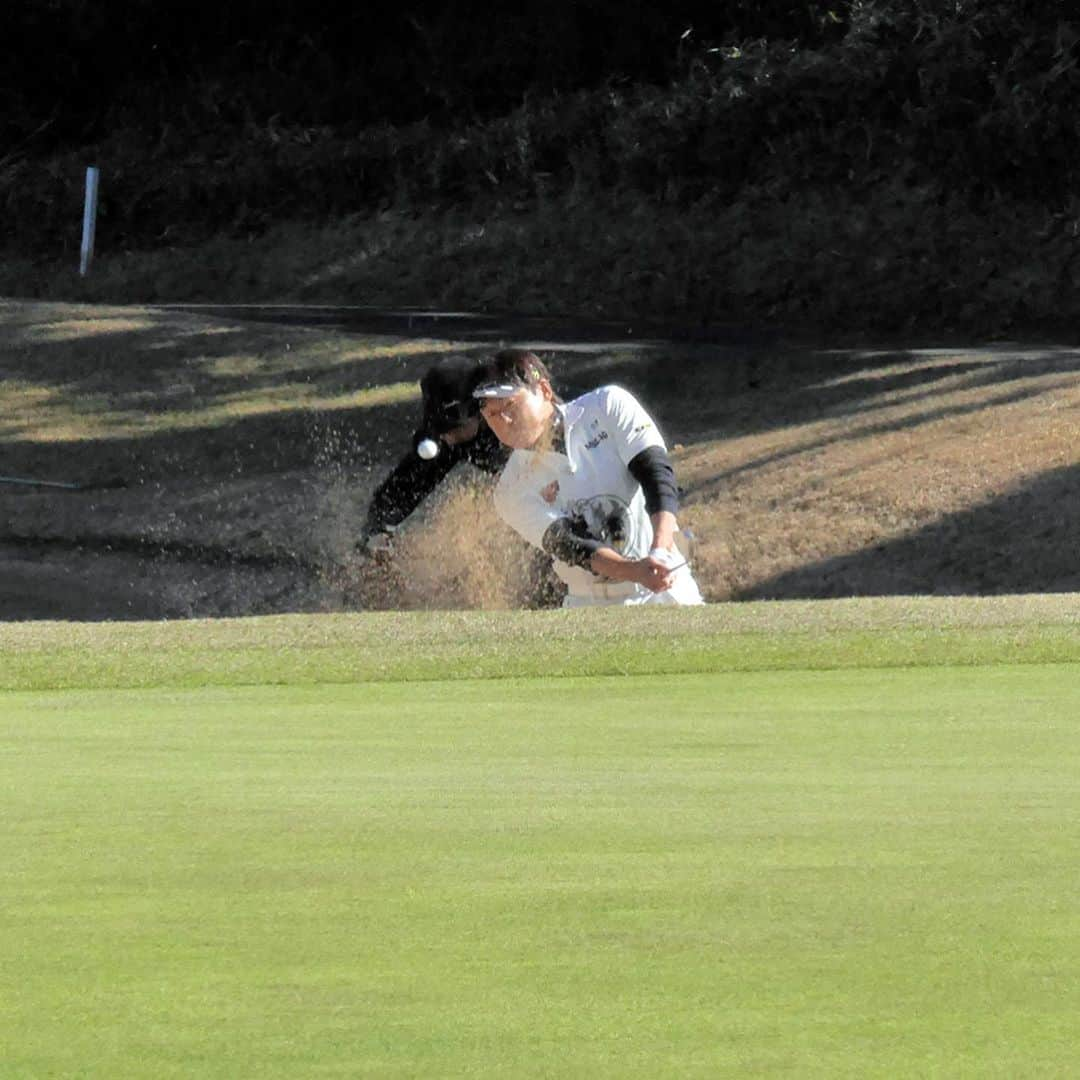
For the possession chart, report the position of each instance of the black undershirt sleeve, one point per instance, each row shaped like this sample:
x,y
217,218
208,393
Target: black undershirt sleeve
x,y
410,482
653,471
413,478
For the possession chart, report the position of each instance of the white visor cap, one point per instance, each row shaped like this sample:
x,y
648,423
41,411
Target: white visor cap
x,y
499,389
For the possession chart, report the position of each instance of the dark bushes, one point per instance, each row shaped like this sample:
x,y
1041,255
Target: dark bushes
x,y
916,153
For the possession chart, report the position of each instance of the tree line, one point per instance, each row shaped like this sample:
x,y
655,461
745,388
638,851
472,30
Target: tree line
x,y
76,69
868,160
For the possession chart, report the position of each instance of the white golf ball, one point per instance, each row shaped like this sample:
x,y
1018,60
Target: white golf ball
x,y
427,449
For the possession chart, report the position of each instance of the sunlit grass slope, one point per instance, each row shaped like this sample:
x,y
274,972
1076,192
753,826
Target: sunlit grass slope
x,y
775,873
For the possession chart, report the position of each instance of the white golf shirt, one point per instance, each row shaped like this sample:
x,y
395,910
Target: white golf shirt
x,y
604,430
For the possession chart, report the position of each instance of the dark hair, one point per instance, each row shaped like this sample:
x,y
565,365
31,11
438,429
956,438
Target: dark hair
x,y
518,365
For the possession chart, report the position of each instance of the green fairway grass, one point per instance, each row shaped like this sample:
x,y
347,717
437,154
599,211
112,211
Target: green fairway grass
x,y
836,870
391,646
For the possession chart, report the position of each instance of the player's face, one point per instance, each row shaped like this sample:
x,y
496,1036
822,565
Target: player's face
x,y
520,421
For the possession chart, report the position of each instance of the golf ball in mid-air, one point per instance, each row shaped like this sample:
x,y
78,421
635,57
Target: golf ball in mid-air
x,y
427,449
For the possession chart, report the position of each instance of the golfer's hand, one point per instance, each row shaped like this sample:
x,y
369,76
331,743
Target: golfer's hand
x,y
378,546
654,574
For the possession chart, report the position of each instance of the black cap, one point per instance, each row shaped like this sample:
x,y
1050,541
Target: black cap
x,y
447,390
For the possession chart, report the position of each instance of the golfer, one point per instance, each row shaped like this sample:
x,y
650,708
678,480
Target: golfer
x,y
589,482
451,431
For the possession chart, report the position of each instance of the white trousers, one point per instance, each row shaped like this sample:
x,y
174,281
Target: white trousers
x,y
684,593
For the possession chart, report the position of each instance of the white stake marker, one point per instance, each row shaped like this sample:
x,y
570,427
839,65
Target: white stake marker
x,y
89,224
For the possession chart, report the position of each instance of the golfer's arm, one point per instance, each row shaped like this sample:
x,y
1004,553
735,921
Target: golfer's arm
x,y
411,481
608,563
566,546
664,525
653,470
562,543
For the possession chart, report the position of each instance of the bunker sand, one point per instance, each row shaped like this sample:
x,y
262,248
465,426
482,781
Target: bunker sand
x,y
224,464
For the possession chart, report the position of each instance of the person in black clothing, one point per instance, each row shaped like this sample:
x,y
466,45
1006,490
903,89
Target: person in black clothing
x,y
452,427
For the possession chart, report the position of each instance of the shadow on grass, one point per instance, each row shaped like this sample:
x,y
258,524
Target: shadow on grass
x,y
870,431
252,447
167,363
704,393
1026,541
147,399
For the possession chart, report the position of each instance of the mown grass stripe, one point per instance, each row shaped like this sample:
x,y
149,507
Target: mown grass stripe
x,y
826,874
426,646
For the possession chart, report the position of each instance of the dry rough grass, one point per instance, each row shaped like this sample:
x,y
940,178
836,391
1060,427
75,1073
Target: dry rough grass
x,y
927,471
227,463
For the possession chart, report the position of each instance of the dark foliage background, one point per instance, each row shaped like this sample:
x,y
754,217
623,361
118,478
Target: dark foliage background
x,y
84,67
859,160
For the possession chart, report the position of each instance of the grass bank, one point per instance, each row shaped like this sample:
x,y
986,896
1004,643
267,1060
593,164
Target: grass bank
x,y
423,646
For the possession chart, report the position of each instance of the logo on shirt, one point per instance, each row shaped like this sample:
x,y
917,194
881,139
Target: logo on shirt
x,y
605,518
596,440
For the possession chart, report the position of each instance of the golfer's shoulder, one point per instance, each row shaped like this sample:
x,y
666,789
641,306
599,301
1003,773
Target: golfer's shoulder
x,y
516,499
612,402
508,486
609,399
